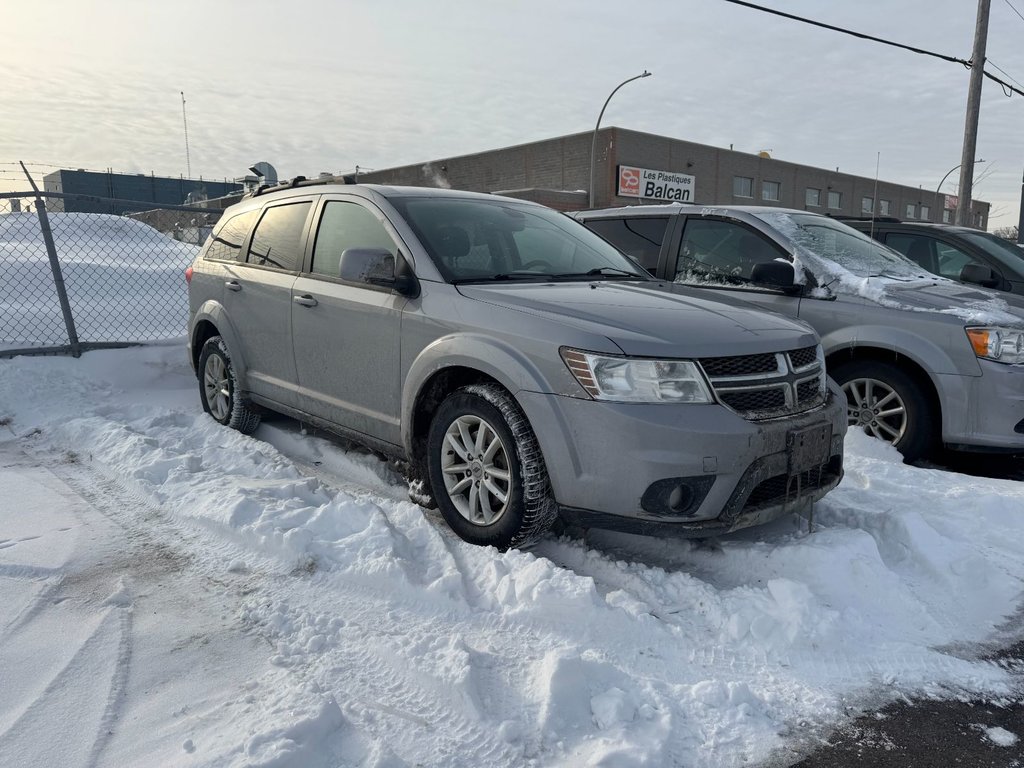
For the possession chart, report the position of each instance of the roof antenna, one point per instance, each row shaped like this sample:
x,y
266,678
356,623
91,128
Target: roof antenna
x,y
184,119
874,200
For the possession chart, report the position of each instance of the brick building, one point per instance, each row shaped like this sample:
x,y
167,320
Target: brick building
x,y
633,167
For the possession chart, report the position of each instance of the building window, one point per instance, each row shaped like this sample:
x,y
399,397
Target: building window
x,y
926,213
867,205
947,217
979,220
883,207
813,197
742,186
835,200
911,211
770,190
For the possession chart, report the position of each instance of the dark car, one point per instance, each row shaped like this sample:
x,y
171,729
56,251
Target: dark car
x,y
959,253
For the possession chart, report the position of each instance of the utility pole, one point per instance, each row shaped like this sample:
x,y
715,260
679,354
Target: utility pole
x,y
963,210
184,119
1020,219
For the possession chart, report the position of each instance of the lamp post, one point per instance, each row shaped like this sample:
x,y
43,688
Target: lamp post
x,y
937,208
593,143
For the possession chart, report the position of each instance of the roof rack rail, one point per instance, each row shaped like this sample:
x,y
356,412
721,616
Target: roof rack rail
x,y
883,219
298,181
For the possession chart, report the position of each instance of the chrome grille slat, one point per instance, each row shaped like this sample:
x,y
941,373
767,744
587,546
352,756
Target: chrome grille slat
x,y
767,385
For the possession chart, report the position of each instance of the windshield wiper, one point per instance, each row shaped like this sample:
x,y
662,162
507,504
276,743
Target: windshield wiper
x,y
605,272
521,275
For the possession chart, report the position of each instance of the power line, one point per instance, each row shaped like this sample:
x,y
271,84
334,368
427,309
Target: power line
x,y
1004,72
851,32
1014,9
1007,88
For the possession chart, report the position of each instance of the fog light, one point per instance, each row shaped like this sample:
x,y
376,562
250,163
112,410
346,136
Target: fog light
x,y
680,499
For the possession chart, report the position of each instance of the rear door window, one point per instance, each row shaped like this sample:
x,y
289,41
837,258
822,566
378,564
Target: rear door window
x,y
226,240
278,241
640,237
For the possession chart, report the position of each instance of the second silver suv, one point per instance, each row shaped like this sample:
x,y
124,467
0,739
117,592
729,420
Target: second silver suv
x,y
516,364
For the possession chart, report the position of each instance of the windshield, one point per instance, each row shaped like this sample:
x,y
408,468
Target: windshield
x,y
998,248
853,251
479,240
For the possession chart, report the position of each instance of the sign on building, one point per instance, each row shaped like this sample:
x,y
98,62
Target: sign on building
x,y
655,185
952,202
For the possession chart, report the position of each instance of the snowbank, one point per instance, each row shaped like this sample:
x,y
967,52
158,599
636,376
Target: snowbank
x,y
615,651
125,281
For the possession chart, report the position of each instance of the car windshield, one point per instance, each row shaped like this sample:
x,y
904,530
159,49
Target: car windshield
x,y
1002,250
474,240
836,242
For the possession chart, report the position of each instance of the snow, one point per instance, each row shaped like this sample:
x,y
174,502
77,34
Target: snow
x,y
125,281
1001,737
198,597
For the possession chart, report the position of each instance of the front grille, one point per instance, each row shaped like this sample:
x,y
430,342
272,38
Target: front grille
x,y
740,365
801,358
780,488
754,399
807,391
767,385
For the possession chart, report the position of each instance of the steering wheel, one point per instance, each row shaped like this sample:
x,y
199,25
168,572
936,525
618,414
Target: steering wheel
x,y
534,263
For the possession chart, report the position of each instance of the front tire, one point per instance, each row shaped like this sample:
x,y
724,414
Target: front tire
x,y
486,469
218,389
887,403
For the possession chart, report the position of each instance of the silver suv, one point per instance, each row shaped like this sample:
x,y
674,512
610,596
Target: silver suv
x,y
515,364
924,361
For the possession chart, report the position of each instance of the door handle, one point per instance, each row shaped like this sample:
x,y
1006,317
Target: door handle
x,y
233,285
305,300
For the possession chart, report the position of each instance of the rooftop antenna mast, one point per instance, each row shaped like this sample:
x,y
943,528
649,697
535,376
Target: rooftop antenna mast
x,y
184,119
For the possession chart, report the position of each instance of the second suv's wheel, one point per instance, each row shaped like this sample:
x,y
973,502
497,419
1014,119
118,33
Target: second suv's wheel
x,y
486,469
887,403
218,389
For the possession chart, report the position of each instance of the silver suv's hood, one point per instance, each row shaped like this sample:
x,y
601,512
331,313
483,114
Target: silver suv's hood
x,y
946,296
651,319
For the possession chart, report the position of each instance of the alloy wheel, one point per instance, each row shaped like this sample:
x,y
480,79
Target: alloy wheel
x,y
217,387
476,470
877,408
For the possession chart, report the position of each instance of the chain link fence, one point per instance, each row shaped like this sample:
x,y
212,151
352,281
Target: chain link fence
x,y
73,279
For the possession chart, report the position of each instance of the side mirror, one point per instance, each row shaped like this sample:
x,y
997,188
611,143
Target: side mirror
x,y
979,274
376,266
774,274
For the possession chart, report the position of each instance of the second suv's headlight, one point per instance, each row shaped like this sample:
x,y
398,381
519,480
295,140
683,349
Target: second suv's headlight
x,y
637,380
1004,345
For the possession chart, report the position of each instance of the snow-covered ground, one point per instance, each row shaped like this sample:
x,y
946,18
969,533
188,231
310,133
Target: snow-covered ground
x,y
174,593
125,280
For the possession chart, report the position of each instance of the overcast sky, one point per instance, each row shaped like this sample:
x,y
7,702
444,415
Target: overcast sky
x,y
325,85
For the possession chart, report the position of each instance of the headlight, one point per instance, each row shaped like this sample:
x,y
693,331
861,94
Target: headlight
x,y
636,380
1004,345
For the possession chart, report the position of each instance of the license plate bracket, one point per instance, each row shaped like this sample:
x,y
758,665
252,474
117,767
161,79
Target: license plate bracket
x,y
809,447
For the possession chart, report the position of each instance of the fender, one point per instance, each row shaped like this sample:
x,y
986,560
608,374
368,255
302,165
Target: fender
x,y
495,358
932,358
213,312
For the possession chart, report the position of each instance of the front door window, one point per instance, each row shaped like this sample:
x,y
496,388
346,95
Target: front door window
x,y
713,250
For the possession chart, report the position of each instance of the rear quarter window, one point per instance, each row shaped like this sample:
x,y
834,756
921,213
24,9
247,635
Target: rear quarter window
x,y
226,240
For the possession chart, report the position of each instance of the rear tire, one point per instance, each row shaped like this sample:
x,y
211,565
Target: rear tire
x,y
218,389
486,470
887,403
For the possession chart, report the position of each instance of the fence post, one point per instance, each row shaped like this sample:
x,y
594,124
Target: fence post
x,y
58,276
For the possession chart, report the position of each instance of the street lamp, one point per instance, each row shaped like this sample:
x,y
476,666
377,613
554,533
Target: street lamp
x,y
593,144
937,208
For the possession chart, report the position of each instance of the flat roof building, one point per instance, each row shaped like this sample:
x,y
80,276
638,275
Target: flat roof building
x,y
140,188
633,167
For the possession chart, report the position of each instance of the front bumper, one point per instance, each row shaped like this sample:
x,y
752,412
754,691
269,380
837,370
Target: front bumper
x,y
984,412
607,462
